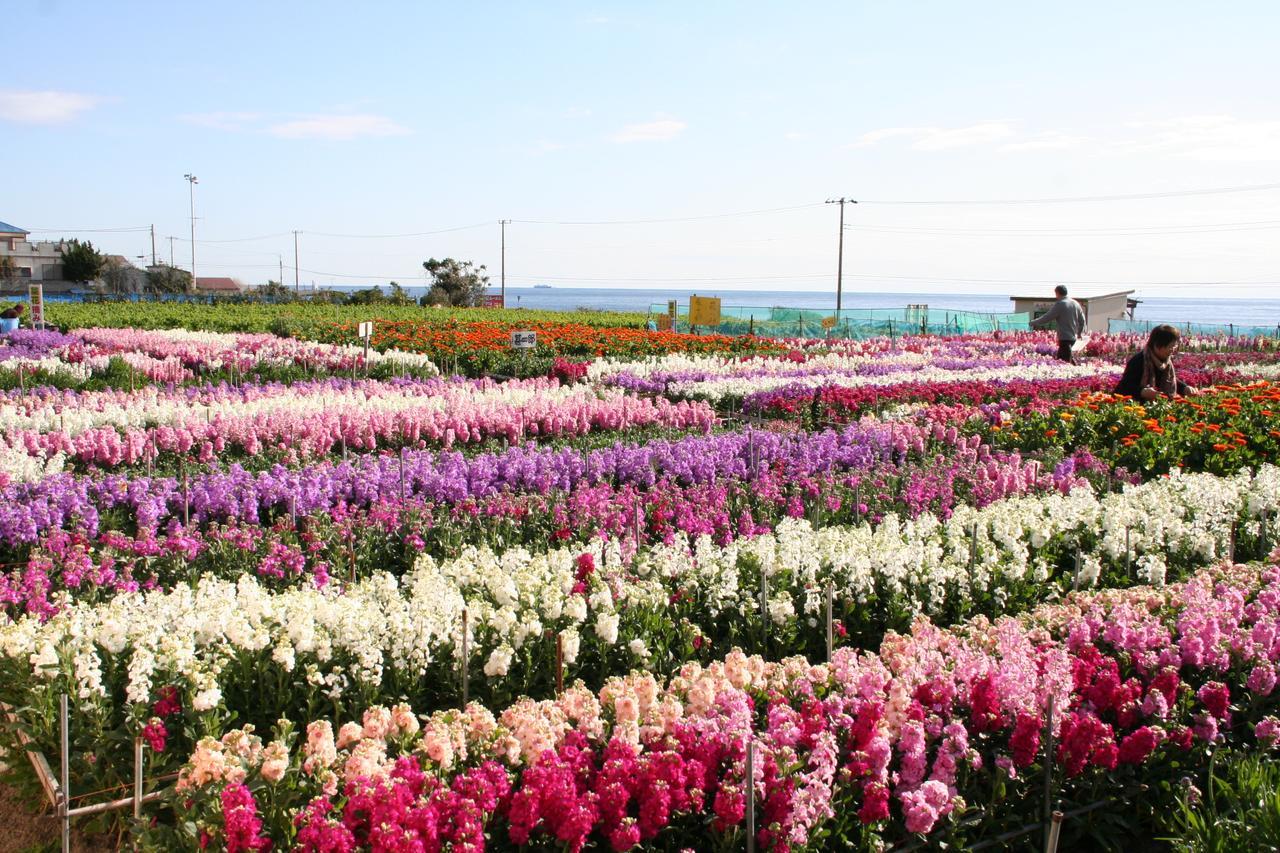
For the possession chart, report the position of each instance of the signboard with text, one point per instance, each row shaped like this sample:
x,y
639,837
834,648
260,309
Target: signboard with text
x,y
524,340
493,302
35,292
366,329
704,311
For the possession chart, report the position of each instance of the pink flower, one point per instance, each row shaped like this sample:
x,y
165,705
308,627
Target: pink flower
x,y
1216,696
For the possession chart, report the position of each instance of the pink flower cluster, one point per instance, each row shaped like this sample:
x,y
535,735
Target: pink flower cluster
x,y
1134,677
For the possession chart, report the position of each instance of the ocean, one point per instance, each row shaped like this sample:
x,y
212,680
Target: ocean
x,y
1241,312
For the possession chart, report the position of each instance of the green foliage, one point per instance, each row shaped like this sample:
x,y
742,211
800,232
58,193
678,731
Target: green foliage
x,y
80,261
167,279
455,283
1239,810
299,319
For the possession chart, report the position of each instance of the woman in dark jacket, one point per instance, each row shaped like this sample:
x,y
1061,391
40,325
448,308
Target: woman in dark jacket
x,y
1150,374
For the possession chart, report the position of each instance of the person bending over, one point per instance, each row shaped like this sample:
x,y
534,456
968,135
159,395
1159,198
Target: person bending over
x,y
1150,373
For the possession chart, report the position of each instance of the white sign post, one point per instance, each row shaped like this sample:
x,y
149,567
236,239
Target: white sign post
x,y
524,340
366,332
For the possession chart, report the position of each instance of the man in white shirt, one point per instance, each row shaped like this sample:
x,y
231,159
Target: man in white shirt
x,y
1070,319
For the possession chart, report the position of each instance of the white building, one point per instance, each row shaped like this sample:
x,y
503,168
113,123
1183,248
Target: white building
x,y
1099,306
33,261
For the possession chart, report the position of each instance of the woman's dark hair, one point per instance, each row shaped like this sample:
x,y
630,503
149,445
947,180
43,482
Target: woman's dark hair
x,y
1162,336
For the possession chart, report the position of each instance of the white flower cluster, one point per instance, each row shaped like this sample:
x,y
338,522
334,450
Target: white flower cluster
x,y
412,629
17,466
78,372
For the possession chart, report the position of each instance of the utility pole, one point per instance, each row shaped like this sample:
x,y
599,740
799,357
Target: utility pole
x,y
171,239
840,250
281,259
504,223
192,180
296,287
153,244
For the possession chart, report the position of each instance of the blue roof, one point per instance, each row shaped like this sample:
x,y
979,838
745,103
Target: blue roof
x,y
6,228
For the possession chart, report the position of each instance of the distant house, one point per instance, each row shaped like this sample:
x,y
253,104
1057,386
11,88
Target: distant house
x,y
218,285
41,261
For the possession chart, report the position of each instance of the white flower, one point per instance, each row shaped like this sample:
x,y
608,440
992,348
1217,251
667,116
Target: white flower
x,y
607,627
499,661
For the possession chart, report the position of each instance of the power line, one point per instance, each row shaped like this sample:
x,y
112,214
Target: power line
x,y
668,219
1124,231
397,236
121,230
1076,199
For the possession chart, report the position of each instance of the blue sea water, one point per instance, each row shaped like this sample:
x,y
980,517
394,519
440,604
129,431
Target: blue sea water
x,y
1241,312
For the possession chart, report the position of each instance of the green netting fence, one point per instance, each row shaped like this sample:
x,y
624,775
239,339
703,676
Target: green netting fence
x,y
1226,329
851,323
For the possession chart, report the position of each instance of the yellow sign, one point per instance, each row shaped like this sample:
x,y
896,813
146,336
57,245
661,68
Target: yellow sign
x,y
671,309
704,311
828,323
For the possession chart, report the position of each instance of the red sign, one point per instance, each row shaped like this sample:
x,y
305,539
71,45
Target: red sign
x,y
493,302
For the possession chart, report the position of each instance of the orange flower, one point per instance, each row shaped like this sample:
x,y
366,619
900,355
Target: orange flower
x,y
1050,433
1221,447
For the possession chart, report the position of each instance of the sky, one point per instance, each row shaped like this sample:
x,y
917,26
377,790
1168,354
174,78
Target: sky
x,y
659,144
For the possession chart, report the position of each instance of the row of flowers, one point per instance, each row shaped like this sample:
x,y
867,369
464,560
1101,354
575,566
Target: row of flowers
x,y
239,647
315,419
1222,429
724,486
177,355
939,736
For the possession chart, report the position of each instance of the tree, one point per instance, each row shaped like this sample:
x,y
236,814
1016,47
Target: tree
x,y
80,261
166,279
115,276
8,271
275,291
457,283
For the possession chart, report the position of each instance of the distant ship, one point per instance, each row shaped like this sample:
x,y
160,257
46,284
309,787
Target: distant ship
x,y
541,286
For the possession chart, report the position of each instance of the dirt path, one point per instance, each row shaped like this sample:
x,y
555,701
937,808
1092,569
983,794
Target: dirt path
x,y
24,831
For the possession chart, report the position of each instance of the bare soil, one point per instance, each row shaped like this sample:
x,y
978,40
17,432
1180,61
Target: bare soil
x,y
23,829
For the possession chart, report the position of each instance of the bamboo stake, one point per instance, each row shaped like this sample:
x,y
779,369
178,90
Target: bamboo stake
x,y
64,799
831,595
751,794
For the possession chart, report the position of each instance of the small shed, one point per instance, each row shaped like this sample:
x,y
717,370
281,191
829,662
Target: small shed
x,y
1099,307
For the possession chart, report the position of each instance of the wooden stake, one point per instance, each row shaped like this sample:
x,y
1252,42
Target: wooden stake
x,y
465,659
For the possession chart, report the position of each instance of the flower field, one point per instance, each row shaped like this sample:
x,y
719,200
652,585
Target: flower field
x,y
347,602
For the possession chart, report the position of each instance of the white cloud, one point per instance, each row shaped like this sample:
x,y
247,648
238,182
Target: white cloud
x,y
337,127
941,138
44,107
661,130
1206,137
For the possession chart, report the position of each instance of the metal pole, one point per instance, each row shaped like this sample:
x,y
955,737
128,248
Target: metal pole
x,y
1048,761
751,794
137,778
504,223
192,180
465,668
64,792
296,288
1055,829
559,664
153,245
831,595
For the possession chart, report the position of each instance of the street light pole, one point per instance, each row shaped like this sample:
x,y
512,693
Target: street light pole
x,y
840,250
504,223
192,180
296,288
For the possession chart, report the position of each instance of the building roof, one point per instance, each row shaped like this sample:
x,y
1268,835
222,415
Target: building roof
x,y
6,228
218,283
1074,293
